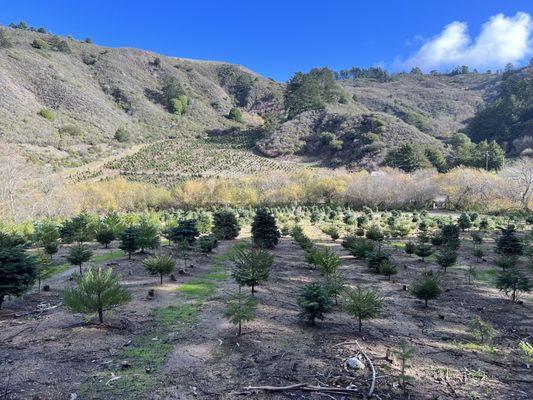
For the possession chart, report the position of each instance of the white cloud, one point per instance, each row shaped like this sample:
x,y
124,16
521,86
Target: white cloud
x,y
501,40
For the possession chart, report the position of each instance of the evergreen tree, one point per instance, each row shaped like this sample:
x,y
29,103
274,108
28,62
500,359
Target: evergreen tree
x,y
78,254
225,225
252,266
104,234
235,114
512,283
446,258
427,286
97,290
79,229
129,241
508,243
408,157
375,234
207,243
48,237
241,308
449,235
423,250
464,222
363,304
159,265
410,248
335,285
387,268
375,258
18,270
187,229
327,261
314,302
147,235
265,232
43,268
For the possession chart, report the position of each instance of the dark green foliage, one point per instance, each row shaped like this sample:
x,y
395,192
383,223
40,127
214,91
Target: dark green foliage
x,y
240,308
97,290
265,232
314,302
174,96
478,253
427,286
18,270
507,117
506,262
310,91
481,155
147,235
449,234
358,247
39,43
326,260
363,304
80,228
375,258
423,250
252,266
512,283
508,243
48,237
410,248
207,243
225,225
477,238
374,233
464,221
122,135
408,157
47,114
187,230
104,234
78,254
387,268
129,240
335,285
375,73
235,115
159,265
436,157
446,258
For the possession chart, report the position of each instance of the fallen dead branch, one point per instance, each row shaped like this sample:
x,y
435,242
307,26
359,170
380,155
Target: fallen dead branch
x,y
306,388
373,384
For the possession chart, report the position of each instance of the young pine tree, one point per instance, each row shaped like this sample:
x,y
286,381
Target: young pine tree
x,y
404,354
363,304
97,290
423,250
335,285
48,236
104,234
427,286
314,302
512,283
265,232
327,261
252,266
129,241
159,265
241,308
225,225
148,235
508,243
78,254
18,270
446,258
387,268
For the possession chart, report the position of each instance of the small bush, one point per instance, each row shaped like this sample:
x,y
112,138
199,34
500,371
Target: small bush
x,y
122,135
207,243
363,304
159,265
71,130
46,113
427,286
314,302
512,283
358,247
5,43
39,43
235,114
225,225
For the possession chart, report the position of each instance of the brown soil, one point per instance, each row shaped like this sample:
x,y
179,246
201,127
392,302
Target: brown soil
x,y
49,355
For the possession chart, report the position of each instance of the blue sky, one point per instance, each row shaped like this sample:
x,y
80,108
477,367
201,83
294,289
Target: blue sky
x,y
277,38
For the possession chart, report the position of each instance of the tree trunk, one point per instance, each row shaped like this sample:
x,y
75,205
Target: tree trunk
x,y
240,328
1,300
253,290
129,256
161,279
80,270
101,315
426,303
360,324
39,285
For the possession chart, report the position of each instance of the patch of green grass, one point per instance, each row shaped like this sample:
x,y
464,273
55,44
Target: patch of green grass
x,y
108,256
217,276
57,269
172,315
482,348
398,245
198,289
486,275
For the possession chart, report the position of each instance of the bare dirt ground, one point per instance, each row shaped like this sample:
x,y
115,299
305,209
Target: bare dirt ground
x,y
179,346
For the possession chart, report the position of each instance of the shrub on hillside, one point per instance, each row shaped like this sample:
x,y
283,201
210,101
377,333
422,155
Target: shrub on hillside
x,y
46,113
122,135
235,114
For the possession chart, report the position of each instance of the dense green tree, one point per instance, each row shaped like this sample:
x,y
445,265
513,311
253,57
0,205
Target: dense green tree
x,y
80,228
335,285
240,308
265,232
423,250
327,261
44,267
251,265
48,236
235,114
314,302
446,258
104,234
225,225
18,270
387,268
147,234
187,229
78,254
426,286
436,157
464,221
159,265
97,290
310,91
512,282
408,157
362,304
508,243
129,240
207,243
